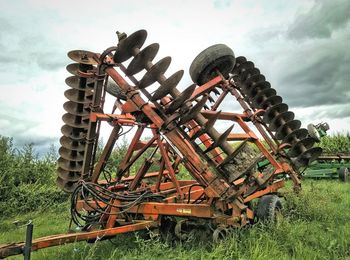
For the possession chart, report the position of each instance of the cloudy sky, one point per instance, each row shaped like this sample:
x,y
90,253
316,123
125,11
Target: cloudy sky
x,y
302,47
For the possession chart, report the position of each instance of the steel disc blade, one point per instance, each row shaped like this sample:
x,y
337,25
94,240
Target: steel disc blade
x,y
273,111
309,156
84,57
254,79
287,128
78,69
61,183
75,108
168,85
70,155
280,120
155,72
127,46
295,136
194,111
244,66
70,165
73,69
260,97
270,101
180,100
256,88
67,175
240,60
75,121
78,96
248,73
268,92
72,144
296,149
74,133
67,186
142,58
76,82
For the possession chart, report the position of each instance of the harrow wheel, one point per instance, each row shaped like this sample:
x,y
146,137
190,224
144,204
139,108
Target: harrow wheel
x,y
206,65
186,230
268,208
344,174
113,89
220,233
167,228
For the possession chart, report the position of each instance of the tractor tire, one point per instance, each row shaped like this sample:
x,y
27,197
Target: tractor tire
x,y
218,56
113,89
343,174
268,208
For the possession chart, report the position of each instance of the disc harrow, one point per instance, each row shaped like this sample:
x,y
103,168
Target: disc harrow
x,y
189,132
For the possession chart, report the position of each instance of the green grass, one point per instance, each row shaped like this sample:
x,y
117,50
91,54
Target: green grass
x,y
316,225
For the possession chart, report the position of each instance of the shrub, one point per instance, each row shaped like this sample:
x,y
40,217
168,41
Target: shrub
x,y
27,181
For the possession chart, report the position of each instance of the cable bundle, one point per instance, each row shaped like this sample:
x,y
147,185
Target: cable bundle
x,y
94,195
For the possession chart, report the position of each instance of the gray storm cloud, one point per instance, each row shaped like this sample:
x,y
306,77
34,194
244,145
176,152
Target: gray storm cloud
x,y
321,21
24,130
307,61
316,71
303,54
319,74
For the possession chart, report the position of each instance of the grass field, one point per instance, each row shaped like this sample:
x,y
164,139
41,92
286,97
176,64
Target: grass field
x,y
316,225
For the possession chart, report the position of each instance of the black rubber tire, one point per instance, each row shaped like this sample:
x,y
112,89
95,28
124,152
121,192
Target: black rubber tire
x,y
167,229
218,56
268,207
219,234
313,132
344,174
113,89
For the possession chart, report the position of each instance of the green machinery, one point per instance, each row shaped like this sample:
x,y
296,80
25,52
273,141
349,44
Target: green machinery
x,y
329,166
